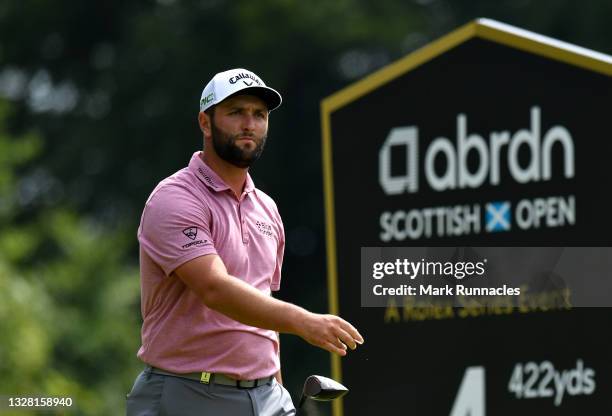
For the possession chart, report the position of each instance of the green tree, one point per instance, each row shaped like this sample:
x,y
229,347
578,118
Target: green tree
x,y
68,301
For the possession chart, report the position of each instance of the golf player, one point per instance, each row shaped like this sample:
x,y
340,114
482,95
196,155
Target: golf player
x,y
211,251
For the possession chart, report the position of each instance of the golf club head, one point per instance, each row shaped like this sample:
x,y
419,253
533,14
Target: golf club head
x,y
322,389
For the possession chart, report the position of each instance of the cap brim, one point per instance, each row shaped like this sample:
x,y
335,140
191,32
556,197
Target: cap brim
x,y
269,95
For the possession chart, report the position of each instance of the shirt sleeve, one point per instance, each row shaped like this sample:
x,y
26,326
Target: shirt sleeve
x,y
175,228
280,252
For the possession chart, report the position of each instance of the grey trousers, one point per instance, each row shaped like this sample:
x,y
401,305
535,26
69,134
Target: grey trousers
x,y
161,395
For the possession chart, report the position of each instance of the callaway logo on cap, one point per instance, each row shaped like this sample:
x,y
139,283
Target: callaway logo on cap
x,y
235,81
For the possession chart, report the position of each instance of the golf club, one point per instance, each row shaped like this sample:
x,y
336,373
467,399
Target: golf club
x,y
321,389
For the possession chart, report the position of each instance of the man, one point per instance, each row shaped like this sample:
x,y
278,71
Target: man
x,y
211,250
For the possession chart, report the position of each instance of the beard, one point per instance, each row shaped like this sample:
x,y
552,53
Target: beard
x,y
227,149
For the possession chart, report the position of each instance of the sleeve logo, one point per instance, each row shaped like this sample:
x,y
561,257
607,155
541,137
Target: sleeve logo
x,y
191,232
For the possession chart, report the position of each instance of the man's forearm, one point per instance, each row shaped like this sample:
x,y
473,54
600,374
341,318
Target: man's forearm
x,y
208,278
248,305
239,300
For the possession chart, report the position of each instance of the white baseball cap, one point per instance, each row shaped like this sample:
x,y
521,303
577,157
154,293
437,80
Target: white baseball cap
x,y
234,81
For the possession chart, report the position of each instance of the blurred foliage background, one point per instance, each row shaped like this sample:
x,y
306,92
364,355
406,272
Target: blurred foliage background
x,y
98,103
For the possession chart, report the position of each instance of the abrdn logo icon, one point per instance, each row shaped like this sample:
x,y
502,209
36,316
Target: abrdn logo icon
x,y
457,175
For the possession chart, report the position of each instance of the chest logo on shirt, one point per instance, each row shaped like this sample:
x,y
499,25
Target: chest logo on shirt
x,y
191,232
264,228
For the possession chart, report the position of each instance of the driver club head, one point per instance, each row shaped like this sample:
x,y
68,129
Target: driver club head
x,y
322,389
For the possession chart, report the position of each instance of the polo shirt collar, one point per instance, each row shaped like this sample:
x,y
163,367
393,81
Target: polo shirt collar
x,y
210,178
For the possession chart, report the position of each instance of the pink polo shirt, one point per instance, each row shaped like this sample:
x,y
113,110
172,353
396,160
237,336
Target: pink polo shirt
x,y
190,214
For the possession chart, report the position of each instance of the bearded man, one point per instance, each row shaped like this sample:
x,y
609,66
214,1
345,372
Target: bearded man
x,y
211,251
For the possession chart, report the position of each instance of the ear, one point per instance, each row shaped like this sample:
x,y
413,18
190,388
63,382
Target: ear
x,y
204,122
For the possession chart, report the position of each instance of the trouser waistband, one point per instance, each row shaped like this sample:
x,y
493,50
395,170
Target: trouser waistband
x,y
212,378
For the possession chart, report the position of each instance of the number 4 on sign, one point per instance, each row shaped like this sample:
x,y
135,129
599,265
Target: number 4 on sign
x,y
470,400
